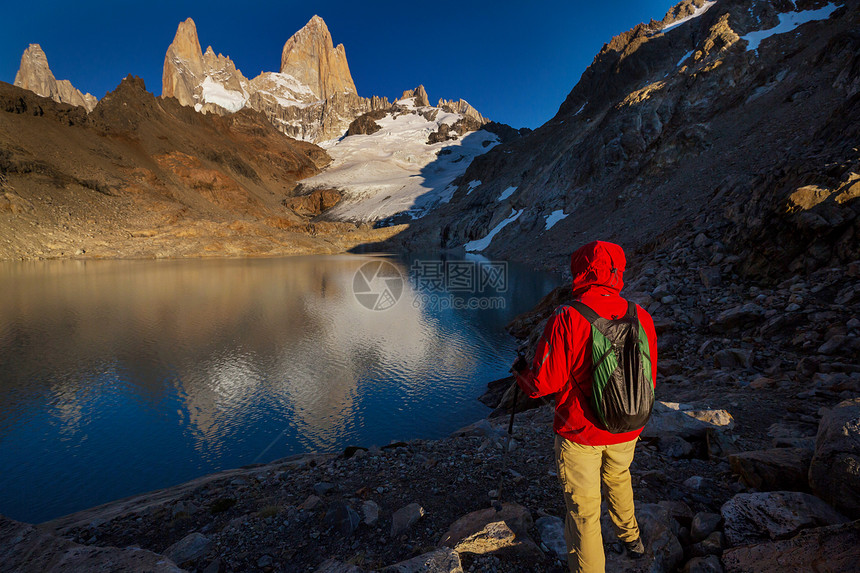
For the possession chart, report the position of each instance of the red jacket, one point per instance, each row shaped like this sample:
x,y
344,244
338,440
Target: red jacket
x,y
562,362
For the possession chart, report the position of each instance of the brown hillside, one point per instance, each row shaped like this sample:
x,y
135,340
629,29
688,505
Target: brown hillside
x,y
142,176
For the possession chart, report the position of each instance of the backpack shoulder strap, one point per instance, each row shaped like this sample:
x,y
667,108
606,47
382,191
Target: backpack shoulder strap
x,y
585,311
631,309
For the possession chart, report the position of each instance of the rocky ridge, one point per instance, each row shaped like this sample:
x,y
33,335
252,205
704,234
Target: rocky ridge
x,y
312,97
674,120
35,75
141,176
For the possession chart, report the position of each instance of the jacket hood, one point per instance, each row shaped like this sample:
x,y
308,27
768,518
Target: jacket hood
x,y
598,264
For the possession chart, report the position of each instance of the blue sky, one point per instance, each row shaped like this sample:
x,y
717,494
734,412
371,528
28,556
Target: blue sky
x,y
514,61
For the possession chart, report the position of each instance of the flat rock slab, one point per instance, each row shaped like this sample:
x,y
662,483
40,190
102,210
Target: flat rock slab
x,y
834,473
25,549
670,419
490,531
835,549
442,560
767,516
405,517
551,531
335,566
774,469
189,548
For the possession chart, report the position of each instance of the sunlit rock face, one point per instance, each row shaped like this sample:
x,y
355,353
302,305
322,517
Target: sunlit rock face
x,y
35,75
311,58
312,97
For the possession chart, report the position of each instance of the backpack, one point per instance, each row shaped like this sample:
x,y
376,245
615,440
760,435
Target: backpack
x,y
622,389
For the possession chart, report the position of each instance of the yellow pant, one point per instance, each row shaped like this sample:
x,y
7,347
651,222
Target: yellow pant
x,y
580,469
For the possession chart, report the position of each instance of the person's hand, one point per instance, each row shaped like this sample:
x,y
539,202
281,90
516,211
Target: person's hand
x,y
520,364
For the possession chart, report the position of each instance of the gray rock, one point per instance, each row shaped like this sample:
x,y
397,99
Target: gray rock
x,y
704,523
774,469
488,531
766,516
442,560
834,549
834,472
311,503
709,564
674,447
370,511
669,418
659,534
189,548
405,517
733,358
679,511
342,517
323,488
265,561
737,317
713,544
25,549
335,566
551,531
711,276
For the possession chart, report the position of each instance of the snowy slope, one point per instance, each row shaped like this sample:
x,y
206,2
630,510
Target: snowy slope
x,y
394,170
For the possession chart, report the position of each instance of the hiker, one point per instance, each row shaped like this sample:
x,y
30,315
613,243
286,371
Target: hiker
x,y
585,451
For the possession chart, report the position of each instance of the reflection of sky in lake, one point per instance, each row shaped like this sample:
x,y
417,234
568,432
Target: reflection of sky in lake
x,y
118,377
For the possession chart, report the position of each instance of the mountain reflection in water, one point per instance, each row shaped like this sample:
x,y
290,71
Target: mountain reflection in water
x,y
118,377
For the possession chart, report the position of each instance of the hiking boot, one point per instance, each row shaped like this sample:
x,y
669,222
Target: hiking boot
x,y
635,549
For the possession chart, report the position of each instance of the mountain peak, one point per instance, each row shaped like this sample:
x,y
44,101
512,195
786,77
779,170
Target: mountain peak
x,y
310,57
35,75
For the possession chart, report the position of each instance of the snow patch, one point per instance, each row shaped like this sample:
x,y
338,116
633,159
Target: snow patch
x,y
698,12
507,193
787,22
474,184
394,171
482,244
554,218
684,58
216,93
580,110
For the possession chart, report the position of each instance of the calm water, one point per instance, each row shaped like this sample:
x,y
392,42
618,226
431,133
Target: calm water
x,y
118,377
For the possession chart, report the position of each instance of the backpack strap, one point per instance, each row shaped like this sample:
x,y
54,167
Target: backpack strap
x,y
585,311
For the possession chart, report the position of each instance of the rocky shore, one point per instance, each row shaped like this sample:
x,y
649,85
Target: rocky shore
x,y
749,462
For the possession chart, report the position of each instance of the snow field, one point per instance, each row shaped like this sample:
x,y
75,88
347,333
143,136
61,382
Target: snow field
x,y
787,22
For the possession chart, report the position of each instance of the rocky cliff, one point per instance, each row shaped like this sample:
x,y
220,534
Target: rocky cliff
x,y
716,119
35,75
312,98
310,57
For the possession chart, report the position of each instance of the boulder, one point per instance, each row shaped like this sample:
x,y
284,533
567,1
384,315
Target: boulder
x,y
704,523
551,531
25,549
733,358
774,469
659,531
341,517
490,531
834,473
335,566
442,560
709,564
405,517
669,418
835,548
767,516
189,548
737,317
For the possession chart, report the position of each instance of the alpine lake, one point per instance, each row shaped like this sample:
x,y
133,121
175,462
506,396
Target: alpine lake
x,y
121,377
